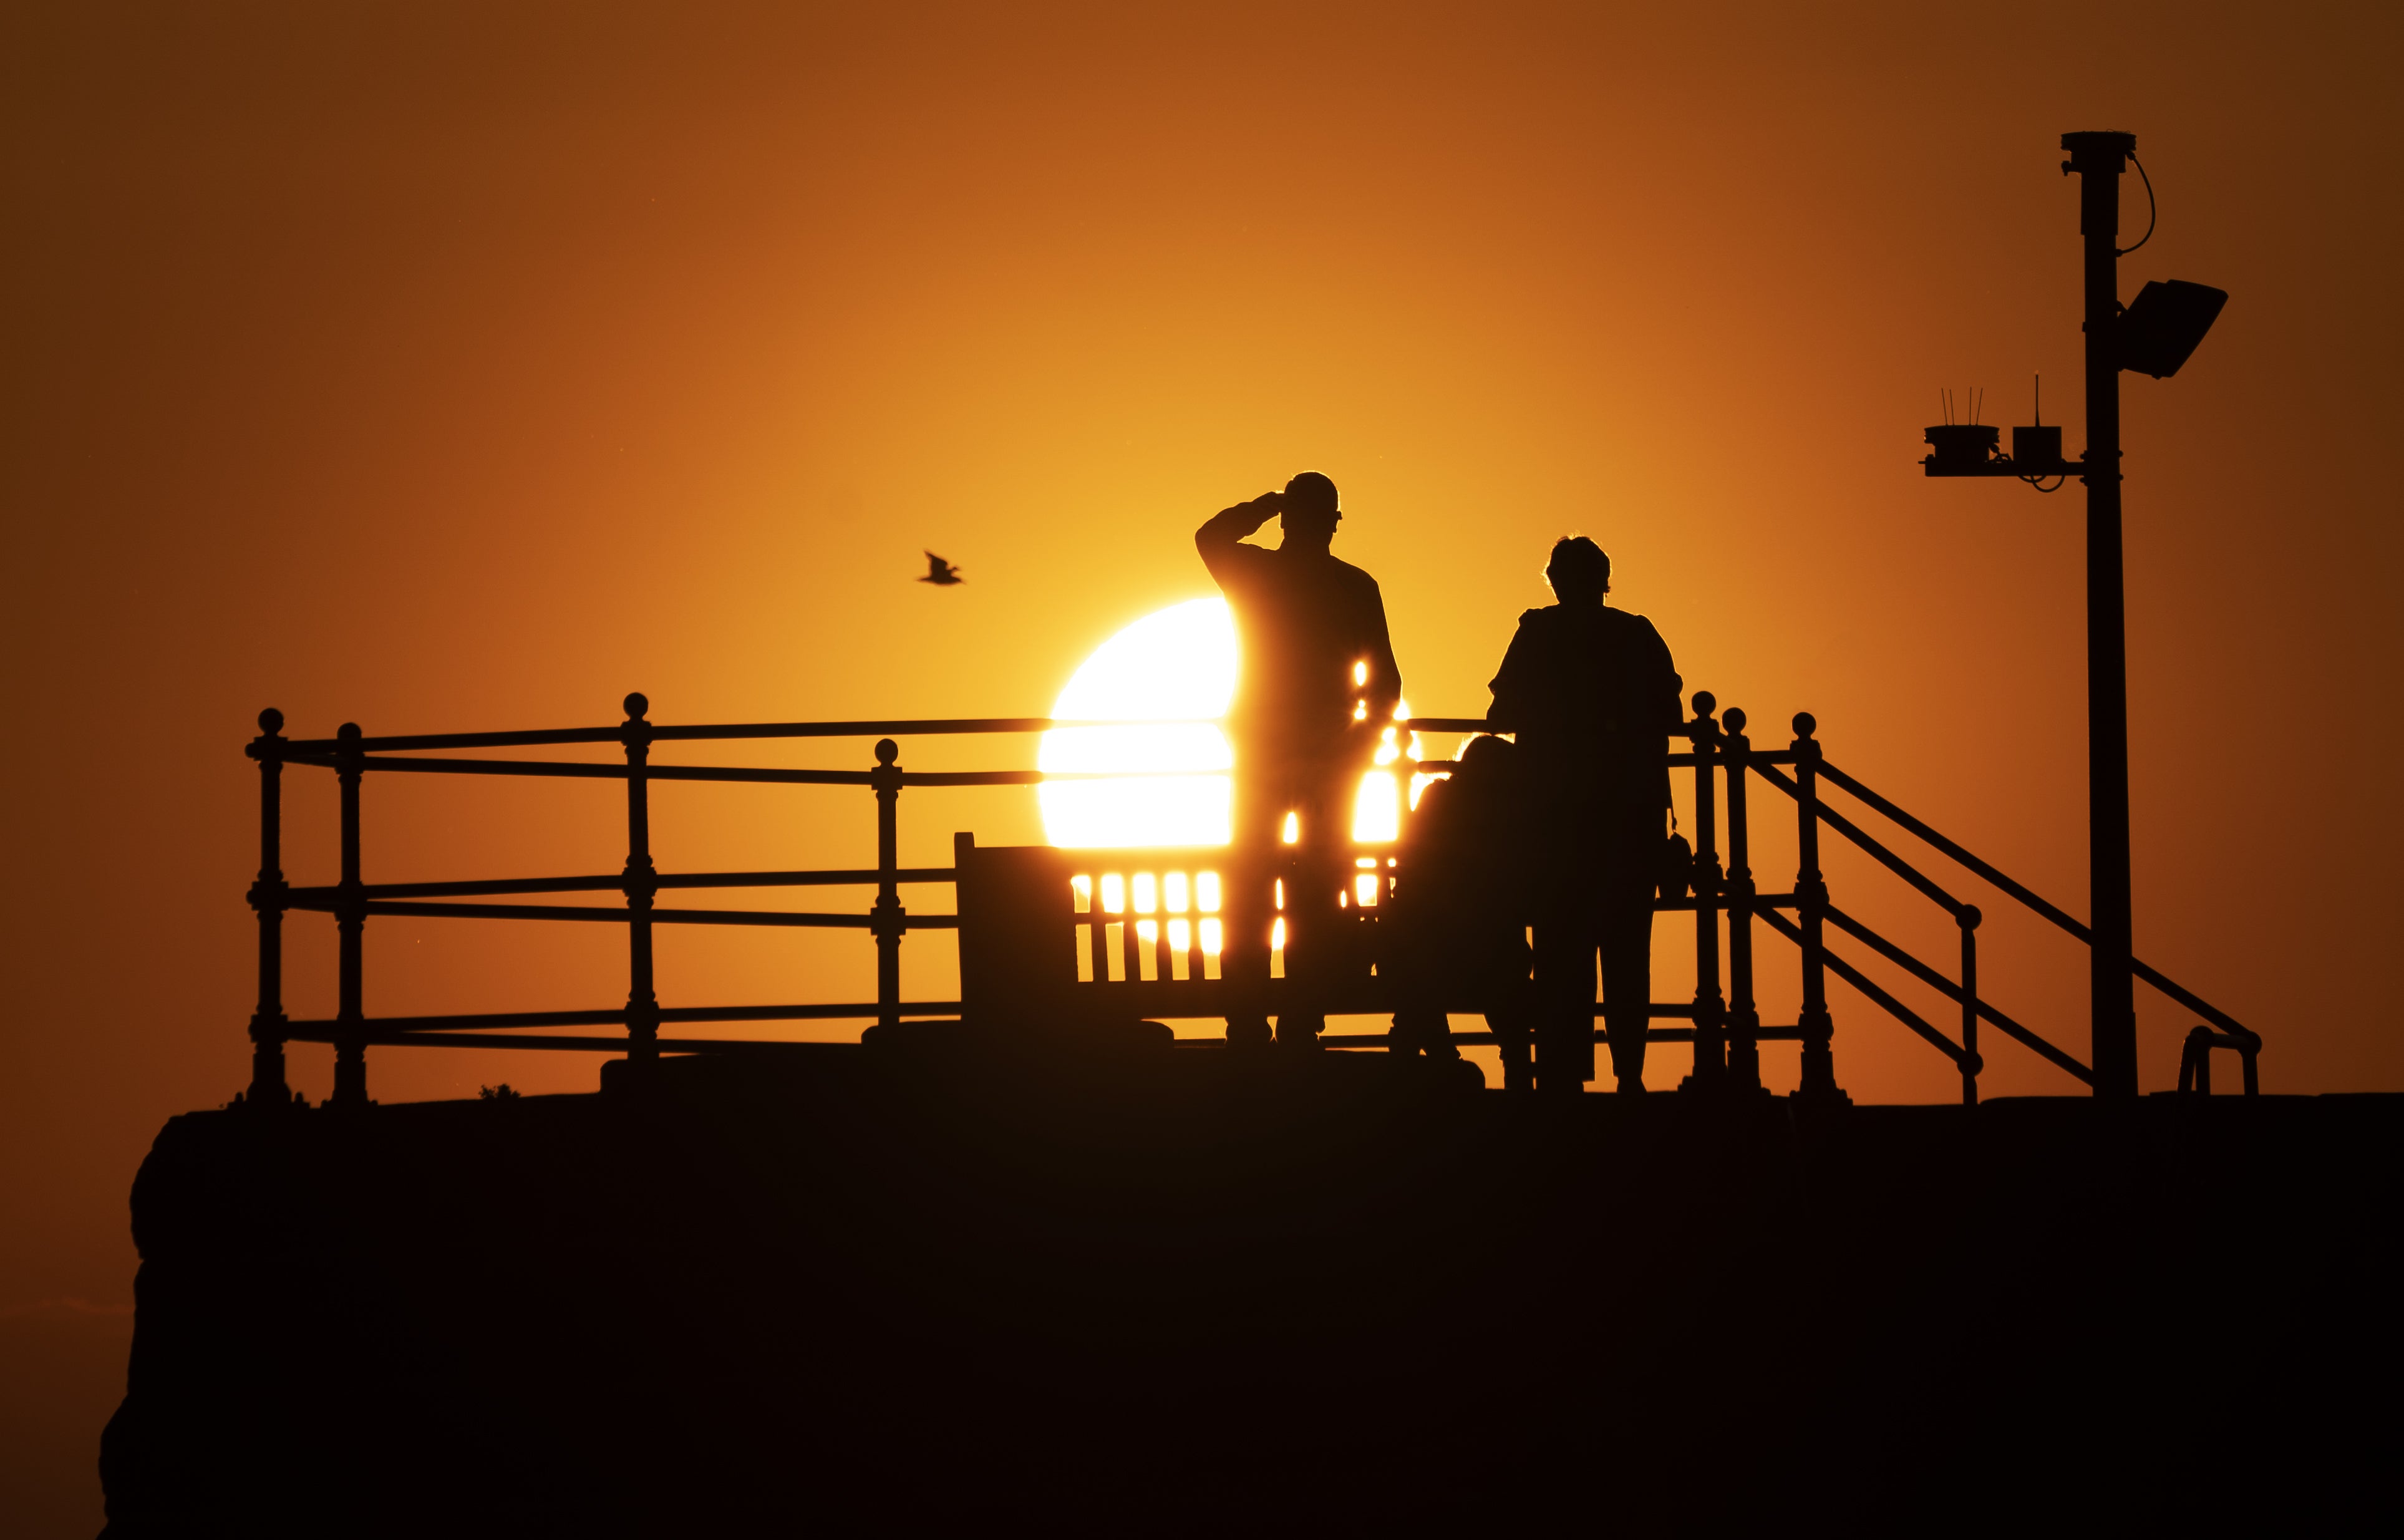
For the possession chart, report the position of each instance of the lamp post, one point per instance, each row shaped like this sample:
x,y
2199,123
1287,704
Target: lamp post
x,y
2154,336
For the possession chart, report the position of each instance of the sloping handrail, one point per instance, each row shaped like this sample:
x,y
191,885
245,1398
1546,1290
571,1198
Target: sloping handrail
x,y
2028,897
1965,1058
1952,991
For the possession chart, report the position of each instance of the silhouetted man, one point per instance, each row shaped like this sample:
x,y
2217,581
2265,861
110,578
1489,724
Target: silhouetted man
x,y
1318,683
1593,697
1455,933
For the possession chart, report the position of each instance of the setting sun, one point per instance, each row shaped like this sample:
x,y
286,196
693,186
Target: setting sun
x,y
1170,676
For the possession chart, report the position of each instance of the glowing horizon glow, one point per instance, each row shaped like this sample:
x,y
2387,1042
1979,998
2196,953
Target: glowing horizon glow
x,y
1170,677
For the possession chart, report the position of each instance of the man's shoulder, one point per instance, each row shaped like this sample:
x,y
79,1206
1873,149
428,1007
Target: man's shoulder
x,y
1629,621
1356,577
1585,626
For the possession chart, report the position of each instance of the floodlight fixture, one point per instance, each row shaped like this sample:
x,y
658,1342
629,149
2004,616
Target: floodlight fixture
x,y
2162,329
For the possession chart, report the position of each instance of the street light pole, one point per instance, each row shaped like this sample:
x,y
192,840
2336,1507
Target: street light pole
x,y
2153,336
2099,160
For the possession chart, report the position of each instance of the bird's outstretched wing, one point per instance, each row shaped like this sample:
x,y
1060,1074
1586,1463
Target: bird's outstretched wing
x,y
939,571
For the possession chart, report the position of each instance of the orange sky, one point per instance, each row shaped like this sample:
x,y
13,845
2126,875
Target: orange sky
x,y
460,366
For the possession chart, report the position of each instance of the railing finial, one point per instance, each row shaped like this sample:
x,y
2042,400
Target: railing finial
x,y
886,750
1705,704
270,721
348,732
1734,721
1806,724
636,705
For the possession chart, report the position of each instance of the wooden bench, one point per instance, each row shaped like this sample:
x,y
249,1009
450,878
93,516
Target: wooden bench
x,y
1049,935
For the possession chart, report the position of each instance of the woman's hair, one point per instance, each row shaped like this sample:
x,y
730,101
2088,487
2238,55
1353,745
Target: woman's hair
x,y
1578,568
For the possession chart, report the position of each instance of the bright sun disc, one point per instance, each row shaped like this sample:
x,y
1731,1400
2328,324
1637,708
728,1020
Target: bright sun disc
x,y
1170,677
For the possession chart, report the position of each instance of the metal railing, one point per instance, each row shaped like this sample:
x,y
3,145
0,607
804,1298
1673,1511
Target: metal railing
x,y
1726,1030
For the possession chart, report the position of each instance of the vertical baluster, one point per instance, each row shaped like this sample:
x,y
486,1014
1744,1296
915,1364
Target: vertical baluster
x,y
886,920
1743,1017
267,898
1971,1064
350,925
640,884
1810,913
1193,968
1710,1064
1130,938
1097,937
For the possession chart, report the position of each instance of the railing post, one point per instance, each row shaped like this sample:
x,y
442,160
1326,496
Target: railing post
x,y
1743,1018
1812,904
2195,1062
1971,1064
886,920
640,884
350,924
1710,1055
267,898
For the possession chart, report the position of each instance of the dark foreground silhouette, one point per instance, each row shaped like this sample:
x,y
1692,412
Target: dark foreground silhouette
x,y
920,1283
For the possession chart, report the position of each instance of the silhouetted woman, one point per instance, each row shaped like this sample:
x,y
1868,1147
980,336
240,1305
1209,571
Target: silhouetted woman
x,y
1456,933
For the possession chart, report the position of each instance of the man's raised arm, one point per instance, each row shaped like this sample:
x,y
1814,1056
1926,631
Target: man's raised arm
x,y
1222,535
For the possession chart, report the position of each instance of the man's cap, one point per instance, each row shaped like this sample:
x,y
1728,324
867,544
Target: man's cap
x,y
1313,490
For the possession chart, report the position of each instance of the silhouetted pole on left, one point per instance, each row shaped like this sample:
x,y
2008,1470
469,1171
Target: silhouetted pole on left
x,y
1743,1017
2099,160
1710,1013
350,925
887,919
1819,1081
266,898
640,884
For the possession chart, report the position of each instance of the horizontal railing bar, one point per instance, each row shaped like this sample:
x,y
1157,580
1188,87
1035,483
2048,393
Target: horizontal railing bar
x,y
2029,898
1884,856
848,1011
1952,991
596,914
745,774
931,726
1725,904
613,882
1487,1040
577,770
567,1045
924,727
854,876
496,1020
1860,981
934,726
1479,725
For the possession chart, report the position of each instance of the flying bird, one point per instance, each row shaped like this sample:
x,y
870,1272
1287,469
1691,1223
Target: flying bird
x,y
940,572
